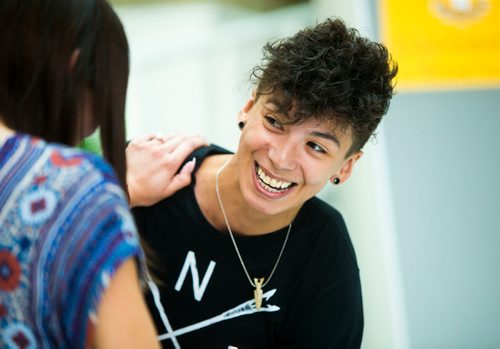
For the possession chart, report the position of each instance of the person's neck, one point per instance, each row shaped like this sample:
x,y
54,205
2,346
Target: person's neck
x,y
242,218
5,132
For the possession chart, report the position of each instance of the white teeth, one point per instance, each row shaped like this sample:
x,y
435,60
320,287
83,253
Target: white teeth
x,y
273,185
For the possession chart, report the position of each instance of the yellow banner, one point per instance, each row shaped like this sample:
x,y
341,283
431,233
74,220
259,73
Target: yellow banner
x,y
443,43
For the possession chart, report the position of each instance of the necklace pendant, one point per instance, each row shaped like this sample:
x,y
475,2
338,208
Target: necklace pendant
x,y
257,293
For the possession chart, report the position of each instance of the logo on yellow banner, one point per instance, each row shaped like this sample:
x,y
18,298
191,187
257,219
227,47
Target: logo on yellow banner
x,y
443,43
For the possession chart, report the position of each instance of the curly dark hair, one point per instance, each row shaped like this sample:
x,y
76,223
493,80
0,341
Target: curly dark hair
x,y
329,72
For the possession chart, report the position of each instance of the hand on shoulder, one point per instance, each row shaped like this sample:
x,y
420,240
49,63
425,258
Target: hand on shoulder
x,y
153,163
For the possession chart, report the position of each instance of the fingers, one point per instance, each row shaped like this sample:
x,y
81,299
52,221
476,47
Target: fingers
x,y
162,138
182,179
151,137
143,139
172,142
168,152
188,168
179,147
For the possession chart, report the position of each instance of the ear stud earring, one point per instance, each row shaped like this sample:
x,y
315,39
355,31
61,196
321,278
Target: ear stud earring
x,y
336,181
241,124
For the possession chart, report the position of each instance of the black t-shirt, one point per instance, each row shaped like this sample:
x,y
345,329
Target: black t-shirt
x,y
206,301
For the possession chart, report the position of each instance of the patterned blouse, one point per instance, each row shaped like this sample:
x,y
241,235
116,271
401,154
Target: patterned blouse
x,y
65,228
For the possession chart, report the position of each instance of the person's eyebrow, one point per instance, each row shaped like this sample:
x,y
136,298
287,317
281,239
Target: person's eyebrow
x,y
272,105
328,136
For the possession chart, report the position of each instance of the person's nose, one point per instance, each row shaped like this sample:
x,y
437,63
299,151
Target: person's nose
x,y
283,155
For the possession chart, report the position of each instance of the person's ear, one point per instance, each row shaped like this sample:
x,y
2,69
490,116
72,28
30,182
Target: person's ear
x,y
243,113
248,104
346,169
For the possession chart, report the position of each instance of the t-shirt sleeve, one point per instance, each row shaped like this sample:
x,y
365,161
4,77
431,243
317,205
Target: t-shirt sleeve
x,y
101,238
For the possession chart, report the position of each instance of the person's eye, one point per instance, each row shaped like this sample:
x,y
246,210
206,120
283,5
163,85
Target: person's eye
x,y
316,147
273,122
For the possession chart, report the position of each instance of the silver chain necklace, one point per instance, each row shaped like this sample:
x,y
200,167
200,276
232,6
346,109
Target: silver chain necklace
x,y
258,283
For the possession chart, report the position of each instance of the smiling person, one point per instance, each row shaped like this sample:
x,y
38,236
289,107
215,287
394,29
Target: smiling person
x,y
246,255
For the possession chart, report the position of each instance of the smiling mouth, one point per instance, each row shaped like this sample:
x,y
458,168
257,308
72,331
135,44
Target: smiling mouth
x,y
271,184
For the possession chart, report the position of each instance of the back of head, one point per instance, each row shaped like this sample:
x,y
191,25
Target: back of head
x,y
329,72
58,59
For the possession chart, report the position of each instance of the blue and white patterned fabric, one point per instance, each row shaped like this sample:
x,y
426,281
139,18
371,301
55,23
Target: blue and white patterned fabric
x,y
65,228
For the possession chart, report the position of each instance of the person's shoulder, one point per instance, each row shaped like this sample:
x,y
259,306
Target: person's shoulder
x,y
204,152
88,187
211,149
78,176
61,158
328,224
183,198
81,163
323,213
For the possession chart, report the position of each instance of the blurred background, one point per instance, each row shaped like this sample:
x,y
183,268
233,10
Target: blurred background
x,y
423,205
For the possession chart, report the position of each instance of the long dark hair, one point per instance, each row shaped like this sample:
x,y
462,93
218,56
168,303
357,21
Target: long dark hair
x,y
53,55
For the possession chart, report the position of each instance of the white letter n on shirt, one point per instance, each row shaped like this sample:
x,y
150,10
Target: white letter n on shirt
x,y
190,263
